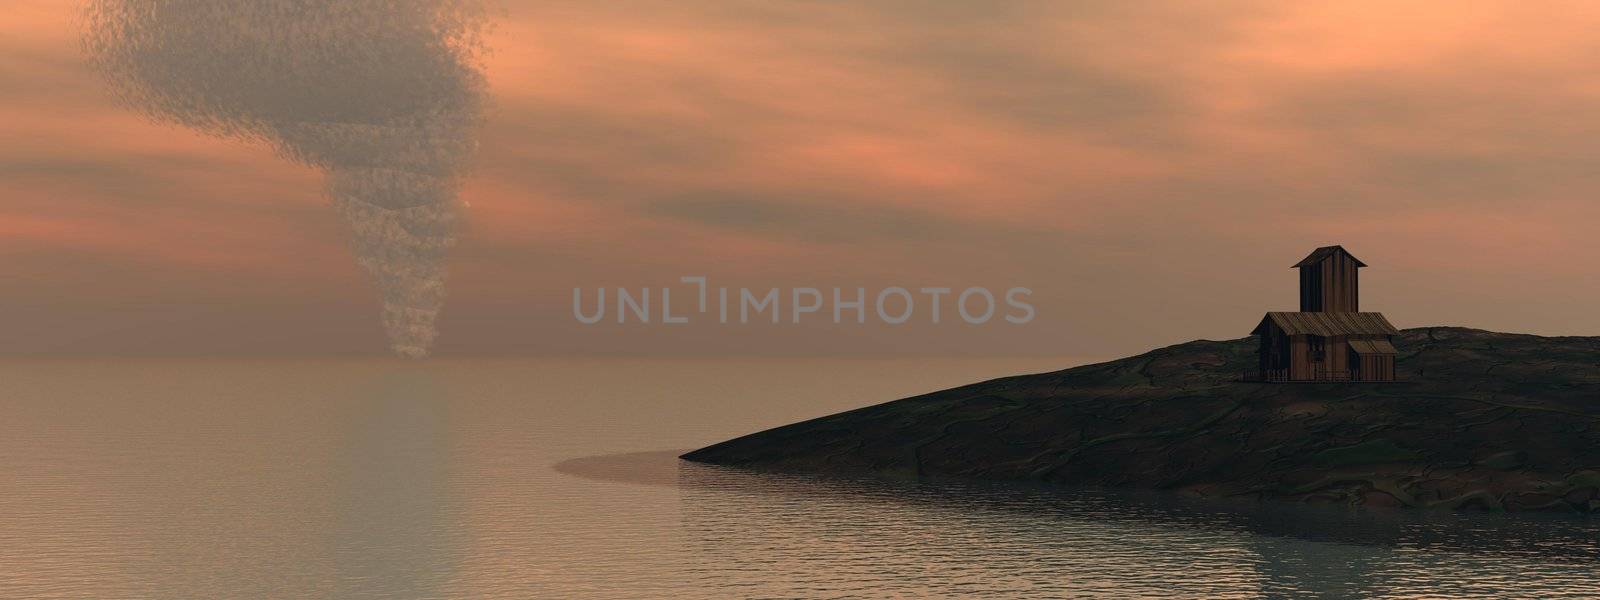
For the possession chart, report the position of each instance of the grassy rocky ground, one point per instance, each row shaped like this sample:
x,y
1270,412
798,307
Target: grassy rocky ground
x,y
1480,420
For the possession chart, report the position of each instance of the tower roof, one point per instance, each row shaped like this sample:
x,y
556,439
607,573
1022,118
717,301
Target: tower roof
x,y
1321,254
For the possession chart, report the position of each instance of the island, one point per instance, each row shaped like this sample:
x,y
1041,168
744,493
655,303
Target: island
x,y
1479,419
1432,417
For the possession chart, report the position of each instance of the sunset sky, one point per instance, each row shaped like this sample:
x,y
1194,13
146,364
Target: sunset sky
x,y
1150,169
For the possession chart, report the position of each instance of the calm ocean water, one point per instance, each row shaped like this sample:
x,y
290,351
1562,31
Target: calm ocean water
x,y
556,479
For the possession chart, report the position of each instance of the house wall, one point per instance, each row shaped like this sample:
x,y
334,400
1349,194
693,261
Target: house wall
x,y
1278,351
1273,352
1331,285
1307,365
1299,358
1338,355
1372,367
1264,352
1303,364
1377,368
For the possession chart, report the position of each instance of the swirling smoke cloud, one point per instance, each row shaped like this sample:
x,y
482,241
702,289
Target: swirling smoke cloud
x,y
382,95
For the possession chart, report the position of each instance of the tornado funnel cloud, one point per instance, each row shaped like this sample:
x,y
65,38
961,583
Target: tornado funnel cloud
x,y
383,96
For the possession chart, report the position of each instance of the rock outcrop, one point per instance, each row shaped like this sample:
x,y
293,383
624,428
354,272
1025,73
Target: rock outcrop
x,y
1478,420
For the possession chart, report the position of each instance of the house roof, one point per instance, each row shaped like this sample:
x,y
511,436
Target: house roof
x,y
1379,346
1328,323
1323,253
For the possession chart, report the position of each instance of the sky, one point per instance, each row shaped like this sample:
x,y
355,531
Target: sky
x,y
1150,170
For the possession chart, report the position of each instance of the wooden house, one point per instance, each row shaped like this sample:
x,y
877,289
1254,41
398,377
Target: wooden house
x,y
1329,339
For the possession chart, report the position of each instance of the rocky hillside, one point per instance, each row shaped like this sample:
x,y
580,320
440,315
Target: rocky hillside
x,y
1480,420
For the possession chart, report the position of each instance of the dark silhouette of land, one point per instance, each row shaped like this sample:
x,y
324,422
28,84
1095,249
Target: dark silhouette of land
x,y
1478,420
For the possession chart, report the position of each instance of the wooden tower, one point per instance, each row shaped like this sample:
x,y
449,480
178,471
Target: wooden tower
x,y
1329,281
1329,339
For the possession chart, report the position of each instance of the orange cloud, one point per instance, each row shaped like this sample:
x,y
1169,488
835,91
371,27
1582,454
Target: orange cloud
x,y
1096,148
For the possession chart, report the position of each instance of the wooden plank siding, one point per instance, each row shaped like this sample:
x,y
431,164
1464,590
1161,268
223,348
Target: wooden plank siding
x,y
1289,358
1338,355
1331,284
1374,367
1300,358
1329,339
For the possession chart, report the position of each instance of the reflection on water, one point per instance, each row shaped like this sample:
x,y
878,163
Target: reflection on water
x,y
803,535
509,479
393,494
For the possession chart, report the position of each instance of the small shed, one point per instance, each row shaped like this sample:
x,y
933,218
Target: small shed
x,y
1329,339
1312,346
